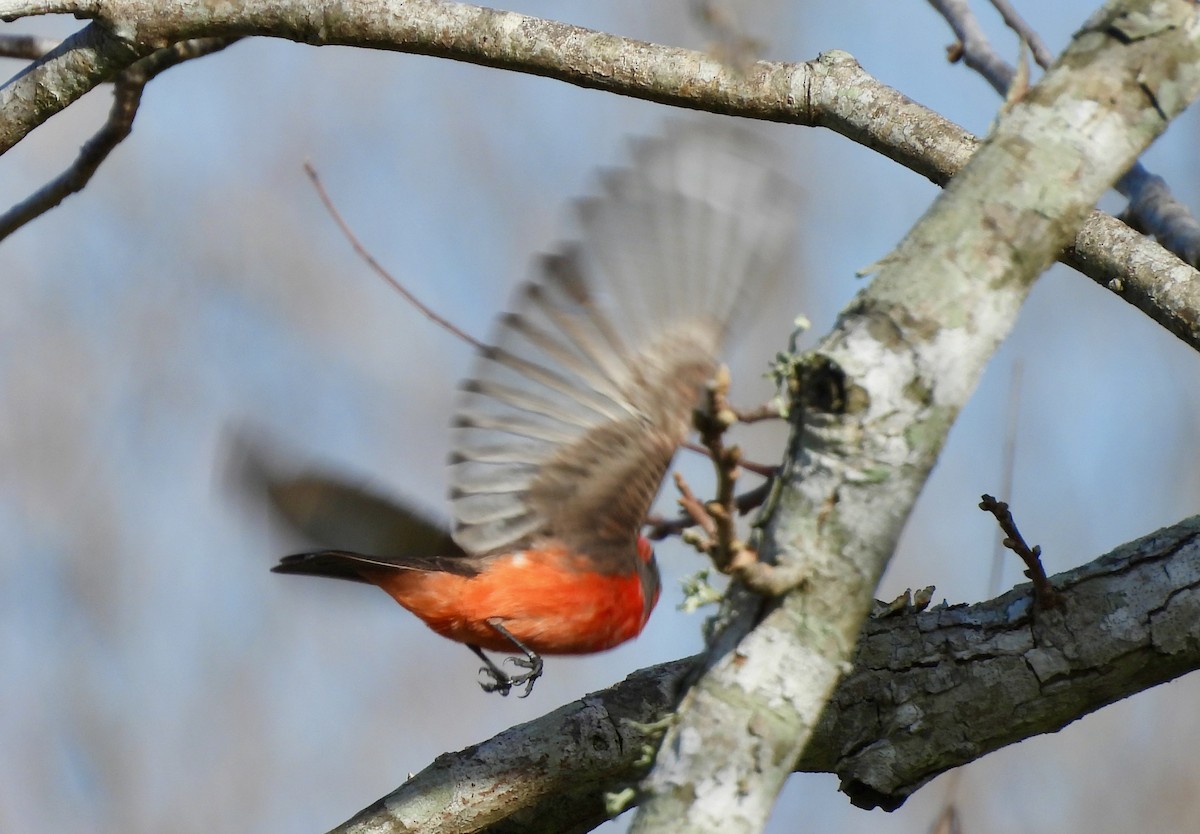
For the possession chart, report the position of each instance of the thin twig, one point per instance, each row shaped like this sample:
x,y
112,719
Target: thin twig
x,y
694,508
712,421
1009,458
127,96
1013,20
766,470
660,528
769,410
362,252
973,47
1043,591
717,537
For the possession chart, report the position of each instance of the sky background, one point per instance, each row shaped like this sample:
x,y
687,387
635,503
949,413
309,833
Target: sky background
x,y
155,676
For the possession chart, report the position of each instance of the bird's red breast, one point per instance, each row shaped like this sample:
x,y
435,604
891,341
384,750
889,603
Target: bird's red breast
x,y
549,598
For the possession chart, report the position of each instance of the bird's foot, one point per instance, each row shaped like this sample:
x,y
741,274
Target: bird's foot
x,y
501,681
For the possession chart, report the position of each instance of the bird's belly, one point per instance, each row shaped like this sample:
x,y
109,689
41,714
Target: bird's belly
x,y
548,600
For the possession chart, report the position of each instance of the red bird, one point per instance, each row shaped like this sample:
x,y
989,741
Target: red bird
x,y
564,433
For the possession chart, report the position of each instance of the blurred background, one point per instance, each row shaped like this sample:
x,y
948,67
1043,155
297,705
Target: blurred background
x,y
155,676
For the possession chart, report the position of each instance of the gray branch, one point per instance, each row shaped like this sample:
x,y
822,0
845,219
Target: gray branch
x,y
1152,207
817,93
127,96
929,692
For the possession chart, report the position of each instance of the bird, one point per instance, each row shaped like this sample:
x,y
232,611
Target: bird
x,y
574,410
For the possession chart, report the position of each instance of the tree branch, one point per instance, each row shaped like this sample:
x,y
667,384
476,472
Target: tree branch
x,y
1014,21
79,64
1152,208
832,92
884,387
929,692
880,393
127,96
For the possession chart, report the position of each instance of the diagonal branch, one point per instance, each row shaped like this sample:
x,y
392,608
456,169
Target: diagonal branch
x,y
880,393
929,692
82,62
1014,21
1152,208
127,96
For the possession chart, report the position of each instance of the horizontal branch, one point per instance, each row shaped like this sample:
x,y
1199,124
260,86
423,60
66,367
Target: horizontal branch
x,y
929,692
832,92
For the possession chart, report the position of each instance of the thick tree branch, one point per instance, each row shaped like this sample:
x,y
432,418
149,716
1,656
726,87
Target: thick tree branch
x,y
60,77
832,92
881,392
1152,208
929,692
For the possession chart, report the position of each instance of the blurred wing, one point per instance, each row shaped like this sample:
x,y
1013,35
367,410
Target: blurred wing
x,y
328,509
572,418
332,512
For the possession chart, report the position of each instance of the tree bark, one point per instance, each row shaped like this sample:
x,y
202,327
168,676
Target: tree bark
x,y
929,692
878,396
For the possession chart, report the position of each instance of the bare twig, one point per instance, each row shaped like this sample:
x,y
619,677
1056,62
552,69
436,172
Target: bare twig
x,y
362,252
769,410
1043,590
1014,21
661,527
765,469
712,421
973,47
1009,458
695,510
29,47
1152,208
717,537
127,96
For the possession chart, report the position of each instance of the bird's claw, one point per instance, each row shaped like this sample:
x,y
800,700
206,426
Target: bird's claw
x,y
533,664
499,682
503,683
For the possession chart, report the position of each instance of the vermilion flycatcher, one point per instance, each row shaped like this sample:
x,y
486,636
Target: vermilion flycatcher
x,y
565,431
